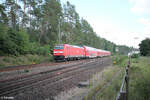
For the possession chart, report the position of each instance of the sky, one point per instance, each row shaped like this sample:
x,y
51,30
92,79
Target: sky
x,y
124,22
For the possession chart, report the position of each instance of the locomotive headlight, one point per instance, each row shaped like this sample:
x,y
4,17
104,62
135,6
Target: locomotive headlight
x,y
61,52
58,52
55,51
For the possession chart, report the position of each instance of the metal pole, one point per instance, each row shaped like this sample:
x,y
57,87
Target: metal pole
x,y
127,85
123,95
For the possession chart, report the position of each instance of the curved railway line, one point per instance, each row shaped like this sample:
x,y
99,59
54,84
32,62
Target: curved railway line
x,y
65,76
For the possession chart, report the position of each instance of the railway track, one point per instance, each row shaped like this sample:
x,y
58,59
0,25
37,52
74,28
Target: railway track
x,y
13,84
21,74
34,74
51,77
19,67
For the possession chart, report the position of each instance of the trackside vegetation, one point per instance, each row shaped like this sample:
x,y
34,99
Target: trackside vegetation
x,y
139,79
106,77
139,83
109,75
110,92
24,60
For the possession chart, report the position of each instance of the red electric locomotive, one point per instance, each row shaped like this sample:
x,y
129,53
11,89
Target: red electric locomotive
x,y
67,52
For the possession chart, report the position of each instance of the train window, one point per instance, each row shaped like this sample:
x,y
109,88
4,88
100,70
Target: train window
x,y
59,47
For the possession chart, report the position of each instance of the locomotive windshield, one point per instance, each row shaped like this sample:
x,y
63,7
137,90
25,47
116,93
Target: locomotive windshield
x,y
59,47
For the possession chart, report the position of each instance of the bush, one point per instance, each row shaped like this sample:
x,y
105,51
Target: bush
x,y
17,42
135,56
42,50
33,48
22,42
120,60
6,59
3,38
25,60
13,42
51,58
139,79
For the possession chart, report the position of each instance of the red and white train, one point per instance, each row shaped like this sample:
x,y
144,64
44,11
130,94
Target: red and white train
x,y
70,52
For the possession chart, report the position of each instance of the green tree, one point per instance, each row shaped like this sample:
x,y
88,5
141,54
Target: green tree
x,y
3,38
3,15
12,41
145,47
13,11
24,15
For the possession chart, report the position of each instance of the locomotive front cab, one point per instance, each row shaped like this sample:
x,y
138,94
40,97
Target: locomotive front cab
x,y
58,52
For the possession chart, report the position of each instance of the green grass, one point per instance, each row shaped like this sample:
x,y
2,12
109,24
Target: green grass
x,y
140,79
120,60
110,92
24,60
106,76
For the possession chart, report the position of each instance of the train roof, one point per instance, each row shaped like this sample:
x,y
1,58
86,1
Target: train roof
x,y
102,50
75,46
90,48
68,45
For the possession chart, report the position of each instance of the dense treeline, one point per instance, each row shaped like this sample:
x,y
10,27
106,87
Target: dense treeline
x,y
33,26
145,47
